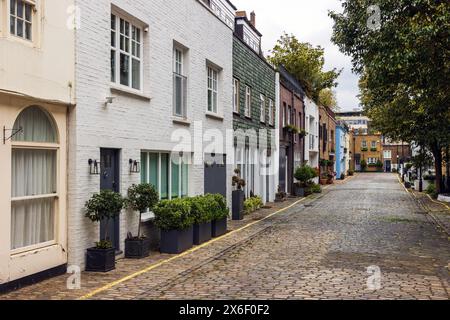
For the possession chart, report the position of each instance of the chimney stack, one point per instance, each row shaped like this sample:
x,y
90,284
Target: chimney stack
x,y
253,18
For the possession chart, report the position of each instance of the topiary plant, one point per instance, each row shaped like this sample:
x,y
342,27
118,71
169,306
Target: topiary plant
x,y
218,206
173,214
141,197
304,174
201,209
105,205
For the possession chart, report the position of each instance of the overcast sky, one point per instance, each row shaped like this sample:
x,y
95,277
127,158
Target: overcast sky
x,y
308,20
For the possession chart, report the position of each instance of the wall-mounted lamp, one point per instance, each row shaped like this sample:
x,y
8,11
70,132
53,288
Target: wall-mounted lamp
x,y
93,167
134,166
109,100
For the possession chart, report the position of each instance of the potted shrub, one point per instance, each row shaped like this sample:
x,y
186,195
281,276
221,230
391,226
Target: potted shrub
x,y
220,215
342,176
176,222
379,165
330,178
280,196
324,163
103,206
238,196
252,204
292,129
363,165
201,210
323,178
303,175
351,172
140,198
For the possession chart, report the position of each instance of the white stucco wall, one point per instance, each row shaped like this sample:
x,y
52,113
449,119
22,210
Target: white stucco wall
x,y
312,111
133,123
38,72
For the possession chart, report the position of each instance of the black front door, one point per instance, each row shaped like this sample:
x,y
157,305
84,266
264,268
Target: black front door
x,y
388,166
109,180
215,174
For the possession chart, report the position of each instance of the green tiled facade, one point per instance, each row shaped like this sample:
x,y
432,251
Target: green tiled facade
x,y
253,71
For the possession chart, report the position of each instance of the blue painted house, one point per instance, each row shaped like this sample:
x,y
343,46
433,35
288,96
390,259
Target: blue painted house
x,y
341,158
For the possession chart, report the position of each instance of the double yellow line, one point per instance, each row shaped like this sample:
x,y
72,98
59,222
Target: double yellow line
x,y
163,262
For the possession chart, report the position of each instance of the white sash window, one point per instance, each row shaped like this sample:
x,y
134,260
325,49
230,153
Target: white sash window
x,y
34,188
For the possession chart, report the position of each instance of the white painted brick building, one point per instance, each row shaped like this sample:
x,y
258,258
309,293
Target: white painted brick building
x,y
142,120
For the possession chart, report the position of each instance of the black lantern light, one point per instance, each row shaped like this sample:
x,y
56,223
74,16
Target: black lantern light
x,y
93,167
134,166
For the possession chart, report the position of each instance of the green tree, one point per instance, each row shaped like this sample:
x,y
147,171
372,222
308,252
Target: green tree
x,y
306,63
327,98
404,68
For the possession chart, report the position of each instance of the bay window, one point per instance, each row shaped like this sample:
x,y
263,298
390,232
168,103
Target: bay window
x,y
126,53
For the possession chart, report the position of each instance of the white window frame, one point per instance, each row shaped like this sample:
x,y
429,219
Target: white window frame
x,y
118,51
169,177
178,72
213,87
33,20
248,101
262,111
50,146
387,154
364,144
236,96
271,112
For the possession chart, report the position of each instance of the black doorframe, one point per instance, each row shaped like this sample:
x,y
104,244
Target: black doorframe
x,y
110,180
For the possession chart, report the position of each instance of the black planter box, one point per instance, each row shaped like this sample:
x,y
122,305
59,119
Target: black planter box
x,y
176,241
299,191
100,260
202,232
219,227
238,205
137,248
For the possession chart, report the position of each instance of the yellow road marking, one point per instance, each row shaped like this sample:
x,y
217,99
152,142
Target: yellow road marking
x,y
158,264
448,208
443,204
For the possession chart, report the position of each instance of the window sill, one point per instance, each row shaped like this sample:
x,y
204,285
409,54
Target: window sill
x,y
130,92
147,216
214,116
181,121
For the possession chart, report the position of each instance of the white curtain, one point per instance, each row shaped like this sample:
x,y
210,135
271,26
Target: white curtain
x,y
33,174
36,124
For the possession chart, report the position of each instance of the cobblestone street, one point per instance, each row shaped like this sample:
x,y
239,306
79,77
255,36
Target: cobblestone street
x,y
317,249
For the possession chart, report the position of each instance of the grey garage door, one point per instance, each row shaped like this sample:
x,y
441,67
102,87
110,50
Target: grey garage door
x,y
215,174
